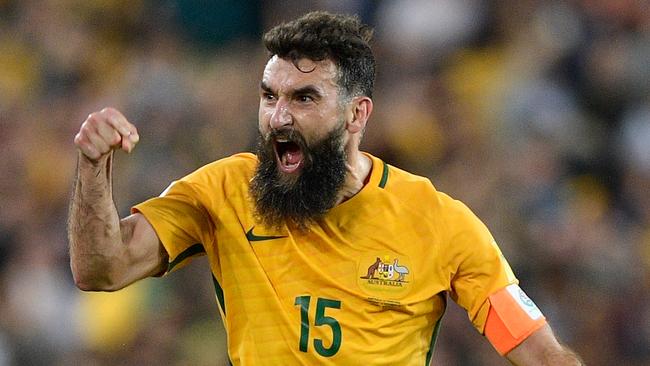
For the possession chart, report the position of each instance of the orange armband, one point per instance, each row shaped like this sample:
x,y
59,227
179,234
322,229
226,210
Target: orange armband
x,y
512,317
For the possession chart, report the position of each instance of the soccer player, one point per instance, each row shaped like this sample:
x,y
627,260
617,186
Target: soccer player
x,y
320,253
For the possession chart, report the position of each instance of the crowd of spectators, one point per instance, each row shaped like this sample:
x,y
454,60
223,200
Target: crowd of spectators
x,y
535,113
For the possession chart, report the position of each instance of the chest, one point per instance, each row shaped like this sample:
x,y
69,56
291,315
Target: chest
x,y
385,264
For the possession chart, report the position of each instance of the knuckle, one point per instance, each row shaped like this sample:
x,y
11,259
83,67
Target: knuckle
x,y
92,117
110,112
85,128
92,120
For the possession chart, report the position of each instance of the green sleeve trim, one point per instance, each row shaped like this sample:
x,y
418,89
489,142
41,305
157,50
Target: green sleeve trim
x,y
220,300
192,250
436,330
219,292
384,176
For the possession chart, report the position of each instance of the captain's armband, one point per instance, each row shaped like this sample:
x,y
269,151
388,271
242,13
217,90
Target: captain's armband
x,y
512,317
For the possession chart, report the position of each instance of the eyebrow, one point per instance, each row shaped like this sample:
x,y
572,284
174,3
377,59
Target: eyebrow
x,y
308,90
265,87
305,90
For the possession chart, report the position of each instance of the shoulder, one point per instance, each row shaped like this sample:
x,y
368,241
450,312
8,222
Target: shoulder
x,y
419,192
400,181
409,188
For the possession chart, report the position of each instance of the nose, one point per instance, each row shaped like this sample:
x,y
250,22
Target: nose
x,y
281,116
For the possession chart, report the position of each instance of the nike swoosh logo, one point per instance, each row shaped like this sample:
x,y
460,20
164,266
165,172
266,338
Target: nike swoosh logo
x,y
252,237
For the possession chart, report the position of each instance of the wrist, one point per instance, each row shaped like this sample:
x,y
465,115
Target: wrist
x,y
96,163
90,170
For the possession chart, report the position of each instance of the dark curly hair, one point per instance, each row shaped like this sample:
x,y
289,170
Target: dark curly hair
x,y
321,35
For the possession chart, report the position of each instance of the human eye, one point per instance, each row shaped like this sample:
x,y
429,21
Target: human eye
x,y
269,97
305,98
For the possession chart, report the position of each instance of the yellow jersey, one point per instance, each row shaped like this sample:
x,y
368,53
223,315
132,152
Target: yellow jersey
x,y
367,285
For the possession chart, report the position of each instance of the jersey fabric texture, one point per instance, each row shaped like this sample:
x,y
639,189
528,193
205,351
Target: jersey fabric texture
x,y
366,285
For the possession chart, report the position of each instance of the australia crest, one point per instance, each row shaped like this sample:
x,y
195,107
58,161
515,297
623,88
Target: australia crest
x,y
385,274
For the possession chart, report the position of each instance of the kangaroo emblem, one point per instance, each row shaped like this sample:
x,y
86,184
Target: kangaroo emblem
x,y
372,269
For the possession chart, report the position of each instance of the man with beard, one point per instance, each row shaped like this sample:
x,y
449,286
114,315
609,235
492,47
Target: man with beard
x,y
320,253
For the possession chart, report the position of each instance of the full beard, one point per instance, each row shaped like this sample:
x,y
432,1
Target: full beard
x,y
305,197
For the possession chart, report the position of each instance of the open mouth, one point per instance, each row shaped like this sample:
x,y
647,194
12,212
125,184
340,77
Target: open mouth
x,y
289,154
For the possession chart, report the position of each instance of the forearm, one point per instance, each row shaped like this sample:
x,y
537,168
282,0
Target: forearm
x,y
562,357
94,226
556,357
542,349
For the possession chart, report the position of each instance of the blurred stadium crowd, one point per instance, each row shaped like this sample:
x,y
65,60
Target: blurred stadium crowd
x,y
535,113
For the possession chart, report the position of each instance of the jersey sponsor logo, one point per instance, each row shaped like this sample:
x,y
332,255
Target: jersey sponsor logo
x,y
252,237
387,274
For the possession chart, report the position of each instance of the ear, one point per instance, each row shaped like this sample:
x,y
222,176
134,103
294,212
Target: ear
x,y
361,107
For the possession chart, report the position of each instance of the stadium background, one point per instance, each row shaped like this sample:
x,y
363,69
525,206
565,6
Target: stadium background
x,y
535,113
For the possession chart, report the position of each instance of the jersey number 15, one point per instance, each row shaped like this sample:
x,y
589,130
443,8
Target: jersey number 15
x,y
321,320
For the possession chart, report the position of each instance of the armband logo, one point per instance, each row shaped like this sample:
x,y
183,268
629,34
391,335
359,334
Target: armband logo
x,y
524,301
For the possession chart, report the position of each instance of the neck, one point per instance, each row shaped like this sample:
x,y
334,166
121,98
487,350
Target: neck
x,y
358,170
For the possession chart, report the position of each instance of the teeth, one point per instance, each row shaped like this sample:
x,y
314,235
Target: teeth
x,y
282,140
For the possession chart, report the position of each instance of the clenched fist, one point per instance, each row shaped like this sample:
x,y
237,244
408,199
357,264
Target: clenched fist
x,y
105,131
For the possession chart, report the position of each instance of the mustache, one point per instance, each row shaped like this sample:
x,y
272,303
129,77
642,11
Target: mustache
x,y
286,133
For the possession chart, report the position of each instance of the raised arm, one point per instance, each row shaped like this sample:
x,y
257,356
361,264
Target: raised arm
x,y
106,253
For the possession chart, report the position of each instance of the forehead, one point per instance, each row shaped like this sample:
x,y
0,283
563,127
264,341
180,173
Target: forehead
x,y
282,74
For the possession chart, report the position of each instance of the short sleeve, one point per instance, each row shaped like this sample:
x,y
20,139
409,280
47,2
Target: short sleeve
x,y
180,221
480,267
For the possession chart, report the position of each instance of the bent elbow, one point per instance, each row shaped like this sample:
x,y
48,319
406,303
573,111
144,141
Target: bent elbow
x,y
96,286
90,282
95,273
86,286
